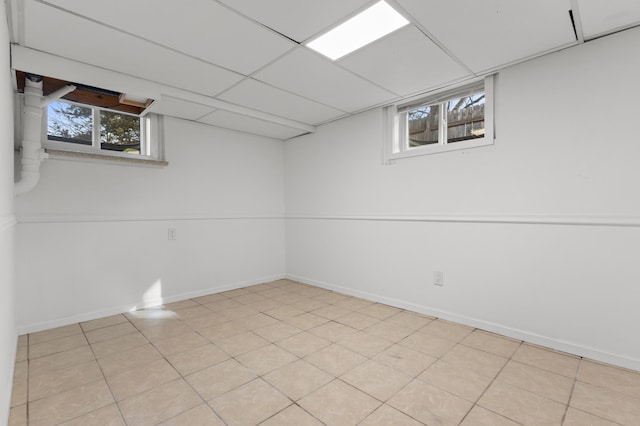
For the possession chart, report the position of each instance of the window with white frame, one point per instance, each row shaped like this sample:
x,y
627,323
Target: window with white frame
x,y
455,119
80,127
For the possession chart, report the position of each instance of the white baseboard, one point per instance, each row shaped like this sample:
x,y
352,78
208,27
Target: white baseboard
x,y
556,344
88,316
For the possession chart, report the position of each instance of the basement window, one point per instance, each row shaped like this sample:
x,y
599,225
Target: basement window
x,y
446,121
85,128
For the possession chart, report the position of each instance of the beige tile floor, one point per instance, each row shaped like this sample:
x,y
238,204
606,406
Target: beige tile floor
x,y
284,353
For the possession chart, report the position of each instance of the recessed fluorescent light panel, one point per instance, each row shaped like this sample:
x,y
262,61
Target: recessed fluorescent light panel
x,y
364,28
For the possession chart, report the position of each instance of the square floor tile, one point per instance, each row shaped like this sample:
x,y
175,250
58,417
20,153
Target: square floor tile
x,y
410,320
446,330
57,381
103,322
365,344
54,334
357,320
604,403
333,331
107,416
266,359
241,343
389,331
183,342
127,360
61,360
606,376
429,404
276,332
202,415
541,382
197,359
306,321
68,405
460,381
377,380
141,378
220,378
292,416
159,404
479,416
61,344
110,332
303,344
335,359
119,344
298,379
405,360
250,404
339,404
386,416
379,311
474,360
491,343
521,406
547,359
580,418
430,345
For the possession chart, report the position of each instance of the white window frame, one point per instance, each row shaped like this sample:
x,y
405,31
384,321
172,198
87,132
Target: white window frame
x,y
150,148
396,142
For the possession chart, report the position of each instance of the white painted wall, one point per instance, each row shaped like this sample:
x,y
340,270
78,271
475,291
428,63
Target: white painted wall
x,y
566,153
92,237
8,334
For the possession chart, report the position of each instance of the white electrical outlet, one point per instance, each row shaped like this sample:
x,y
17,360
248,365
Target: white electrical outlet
x,y
171,234
438,278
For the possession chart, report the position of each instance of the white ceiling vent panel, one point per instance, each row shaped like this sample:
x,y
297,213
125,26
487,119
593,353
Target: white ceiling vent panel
x,y
600,17
405,62
486,34
201,28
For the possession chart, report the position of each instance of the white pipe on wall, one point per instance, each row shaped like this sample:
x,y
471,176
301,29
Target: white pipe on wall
x,y
32,152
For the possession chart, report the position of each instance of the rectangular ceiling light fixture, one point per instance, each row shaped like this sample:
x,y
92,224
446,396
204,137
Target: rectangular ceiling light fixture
x,y
364,28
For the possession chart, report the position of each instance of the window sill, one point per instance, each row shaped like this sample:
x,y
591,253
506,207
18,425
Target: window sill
x,y
73,155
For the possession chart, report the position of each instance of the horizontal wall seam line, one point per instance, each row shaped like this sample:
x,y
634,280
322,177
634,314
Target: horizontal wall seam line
x,y
520,220
82,219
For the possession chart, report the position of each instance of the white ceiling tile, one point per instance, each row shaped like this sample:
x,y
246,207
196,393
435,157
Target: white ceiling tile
x,y
297,19
602,17
315,77
256,95
179,108
233,121
405,62
201,28
485,34
54,31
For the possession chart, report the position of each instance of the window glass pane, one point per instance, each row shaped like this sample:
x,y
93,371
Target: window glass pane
x,y
423,125
69,123
119,132
465,118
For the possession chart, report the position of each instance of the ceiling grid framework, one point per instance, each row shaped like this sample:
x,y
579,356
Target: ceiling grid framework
x,y
244,65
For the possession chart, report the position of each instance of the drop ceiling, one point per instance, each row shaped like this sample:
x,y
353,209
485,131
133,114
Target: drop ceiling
x,y
243,65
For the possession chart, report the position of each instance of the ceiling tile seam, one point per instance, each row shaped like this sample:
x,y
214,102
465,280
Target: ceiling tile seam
x,y
282,90
536,55
614,31
155,43
324,58
250,19
577,20
218,103
252,76
255,118
431,37
242,131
